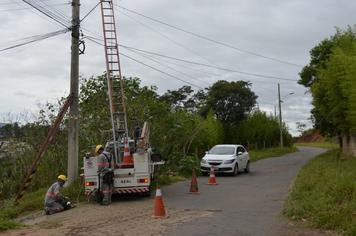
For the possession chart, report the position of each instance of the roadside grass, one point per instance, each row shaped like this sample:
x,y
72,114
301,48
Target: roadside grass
x,y
256,155
32,202
324,193
328,145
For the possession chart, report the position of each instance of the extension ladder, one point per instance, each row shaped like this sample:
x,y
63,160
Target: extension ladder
x,y
113,73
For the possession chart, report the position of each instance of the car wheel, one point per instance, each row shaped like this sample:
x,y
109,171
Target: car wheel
x,y
236,170
247,169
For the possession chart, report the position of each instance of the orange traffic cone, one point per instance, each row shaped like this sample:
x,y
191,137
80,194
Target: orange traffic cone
x,y
212,179
127,161
159,211
194,184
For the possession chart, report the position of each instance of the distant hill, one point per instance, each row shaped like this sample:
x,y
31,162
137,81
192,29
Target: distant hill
x,y
2,124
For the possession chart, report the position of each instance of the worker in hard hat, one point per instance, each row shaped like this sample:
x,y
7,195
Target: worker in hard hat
x,y
106,166
54,199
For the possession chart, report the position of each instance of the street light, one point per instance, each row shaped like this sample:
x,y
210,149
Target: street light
x,y
280,114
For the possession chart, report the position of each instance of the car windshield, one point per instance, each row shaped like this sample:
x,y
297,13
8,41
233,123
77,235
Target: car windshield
x,y
222,150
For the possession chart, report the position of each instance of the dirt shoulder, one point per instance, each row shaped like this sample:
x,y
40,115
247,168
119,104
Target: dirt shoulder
x,y
120,218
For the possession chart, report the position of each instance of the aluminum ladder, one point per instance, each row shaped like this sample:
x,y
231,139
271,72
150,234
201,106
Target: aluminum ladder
x,y
113,73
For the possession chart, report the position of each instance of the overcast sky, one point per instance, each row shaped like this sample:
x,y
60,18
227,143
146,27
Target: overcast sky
x,y
281,29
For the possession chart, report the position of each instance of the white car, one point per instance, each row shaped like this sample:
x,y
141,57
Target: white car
x,y
226,158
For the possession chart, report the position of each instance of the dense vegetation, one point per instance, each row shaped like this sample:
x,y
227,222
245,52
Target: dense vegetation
x,y
184,125
331,77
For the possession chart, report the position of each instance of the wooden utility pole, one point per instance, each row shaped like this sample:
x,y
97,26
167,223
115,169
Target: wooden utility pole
x,y
73,125
280,117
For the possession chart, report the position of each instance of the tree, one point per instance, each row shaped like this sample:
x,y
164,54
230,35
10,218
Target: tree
x,y
230,101
332,84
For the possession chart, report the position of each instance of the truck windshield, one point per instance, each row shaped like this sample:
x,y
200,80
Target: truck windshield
x,y
222,150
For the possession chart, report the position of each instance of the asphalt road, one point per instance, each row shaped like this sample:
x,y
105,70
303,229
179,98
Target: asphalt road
x,y
248,204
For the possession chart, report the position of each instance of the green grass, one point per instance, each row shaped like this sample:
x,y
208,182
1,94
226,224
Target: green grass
x,y
31,202
328,145
256,155
324,193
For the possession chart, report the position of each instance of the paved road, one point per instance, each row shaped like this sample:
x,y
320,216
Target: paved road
x,y
249,204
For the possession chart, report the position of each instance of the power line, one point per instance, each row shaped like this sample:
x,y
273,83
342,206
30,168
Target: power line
x,y
165,36
163,72
27,8
13,2
36,39
57,18
167,66
151,67
209,39
86,15
202,64
211,66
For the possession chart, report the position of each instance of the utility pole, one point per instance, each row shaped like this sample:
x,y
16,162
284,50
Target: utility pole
x,y
73,125
280,117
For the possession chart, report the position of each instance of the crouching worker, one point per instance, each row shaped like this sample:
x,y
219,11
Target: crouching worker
x,y
106,173
54,200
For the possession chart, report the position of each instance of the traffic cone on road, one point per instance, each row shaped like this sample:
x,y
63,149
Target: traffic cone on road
x,y
159,210
194,184
127,161
212,179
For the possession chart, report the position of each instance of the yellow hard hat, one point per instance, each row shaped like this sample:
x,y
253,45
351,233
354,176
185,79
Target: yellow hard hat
x,y
98,147
62,177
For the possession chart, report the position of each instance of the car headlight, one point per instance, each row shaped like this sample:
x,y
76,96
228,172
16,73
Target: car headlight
x,y
229,161
203,161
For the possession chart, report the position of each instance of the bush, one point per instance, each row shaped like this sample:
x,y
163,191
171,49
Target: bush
x,y
187,164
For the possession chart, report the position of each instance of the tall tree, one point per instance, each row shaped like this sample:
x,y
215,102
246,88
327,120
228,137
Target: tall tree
x,y
332,84
230,101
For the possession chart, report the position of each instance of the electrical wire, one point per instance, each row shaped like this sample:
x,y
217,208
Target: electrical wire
x,y
166,37
209,39
169,67
57,18
35,38
149,66
28,8
86,15
202,64
211,66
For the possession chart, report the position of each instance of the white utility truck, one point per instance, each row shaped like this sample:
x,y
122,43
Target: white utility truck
x,y
127,179
133,176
